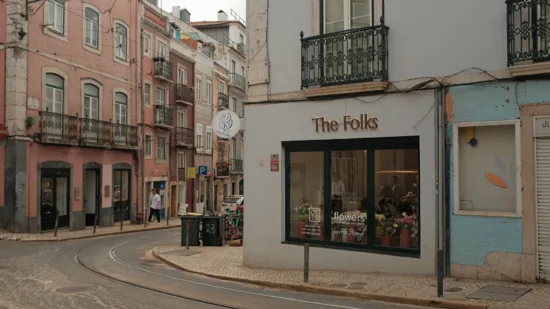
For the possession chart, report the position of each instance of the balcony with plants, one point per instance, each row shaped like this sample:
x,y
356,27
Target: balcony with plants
x,y
222,169
528,36
162,69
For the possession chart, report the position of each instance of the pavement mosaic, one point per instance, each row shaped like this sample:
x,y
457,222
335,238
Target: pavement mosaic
x,y
227,262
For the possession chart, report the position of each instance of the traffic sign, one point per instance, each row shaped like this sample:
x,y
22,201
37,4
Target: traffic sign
x,y
203,170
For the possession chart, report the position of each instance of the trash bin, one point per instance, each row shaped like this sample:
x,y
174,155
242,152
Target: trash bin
x,y
211,235
194,222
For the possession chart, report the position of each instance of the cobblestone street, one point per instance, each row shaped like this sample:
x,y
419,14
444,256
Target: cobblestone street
x,y
227,263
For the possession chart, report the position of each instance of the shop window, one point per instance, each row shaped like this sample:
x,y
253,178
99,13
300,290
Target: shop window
x,y
486,169
360,193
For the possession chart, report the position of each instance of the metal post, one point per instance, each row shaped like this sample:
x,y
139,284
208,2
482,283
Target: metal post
x,y
439,211
222,230
440,264
306,263
187,234
56,223
121,217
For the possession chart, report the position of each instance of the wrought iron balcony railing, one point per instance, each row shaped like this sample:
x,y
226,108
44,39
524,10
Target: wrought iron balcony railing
x,y
163,115
223,100
237,165
58,128
125,135
222,169
237,80
181,174
350,56
241,48
528,31
184,136
96,132
185,94
162,69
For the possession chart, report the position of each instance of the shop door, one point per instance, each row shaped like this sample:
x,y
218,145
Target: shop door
x,y
121,194
542,166
92,201
54,197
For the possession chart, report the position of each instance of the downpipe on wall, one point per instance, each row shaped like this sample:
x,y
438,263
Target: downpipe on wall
x,y
439,188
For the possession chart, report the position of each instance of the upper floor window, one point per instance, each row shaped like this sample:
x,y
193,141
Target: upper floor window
x,y
55,86
161,49
147,94
121,108
241,38
222,87
198,89
161,97
182,76
347,14
209,139
147,45
91,101
121,41
56,16
91,27
199,143
209,92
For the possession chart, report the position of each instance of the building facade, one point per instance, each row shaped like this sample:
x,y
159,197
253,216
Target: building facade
x,y
221,146
72,110
449,156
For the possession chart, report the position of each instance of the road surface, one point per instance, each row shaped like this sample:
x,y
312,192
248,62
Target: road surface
x,y
90,274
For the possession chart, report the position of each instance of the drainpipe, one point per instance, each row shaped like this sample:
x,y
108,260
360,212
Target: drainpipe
x,y
142,129
439,188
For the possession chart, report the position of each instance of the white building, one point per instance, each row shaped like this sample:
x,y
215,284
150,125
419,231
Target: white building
x,y
345,117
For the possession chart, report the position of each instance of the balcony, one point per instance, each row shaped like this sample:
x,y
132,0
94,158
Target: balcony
x,y
236,166
223,100
528,32
58,128
125,136
222,169
181,174
163,69
96,132
163,116
241,49
237,80
184,137
185,94
346,57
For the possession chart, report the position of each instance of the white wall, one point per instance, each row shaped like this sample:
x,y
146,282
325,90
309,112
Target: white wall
x,y
426,37
399,115
234,31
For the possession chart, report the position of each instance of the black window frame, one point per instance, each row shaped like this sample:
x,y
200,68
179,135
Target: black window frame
x,y
326,147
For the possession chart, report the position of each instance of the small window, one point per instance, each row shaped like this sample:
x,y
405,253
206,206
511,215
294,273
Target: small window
x,y
161,49
222,87
91,101
241,38
234,105
182,76
199,144
91,35
161,148
56,16
198,89
147,94
181,159
121,41
208,138
161,97
209,92
147,45
242,71
148,145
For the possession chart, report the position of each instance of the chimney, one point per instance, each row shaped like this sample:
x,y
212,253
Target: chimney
x,y
222,16
185,16
176,11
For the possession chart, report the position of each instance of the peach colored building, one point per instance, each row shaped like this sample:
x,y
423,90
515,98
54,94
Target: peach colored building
x,y
72,111
221,146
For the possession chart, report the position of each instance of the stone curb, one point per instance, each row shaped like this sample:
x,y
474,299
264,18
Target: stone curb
x,y
93,235
417,301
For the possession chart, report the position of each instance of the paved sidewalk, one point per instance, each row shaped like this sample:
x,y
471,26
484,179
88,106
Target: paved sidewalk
x,y
226,263
66,234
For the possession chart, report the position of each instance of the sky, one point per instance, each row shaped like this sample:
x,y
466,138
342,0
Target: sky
x,y
206,9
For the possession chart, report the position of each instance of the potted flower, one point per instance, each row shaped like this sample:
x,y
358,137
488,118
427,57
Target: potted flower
x,y
389,227
409,229
302,214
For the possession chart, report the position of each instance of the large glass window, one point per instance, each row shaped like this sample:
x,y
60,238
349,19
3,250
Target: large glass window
x,y
56,16
360,193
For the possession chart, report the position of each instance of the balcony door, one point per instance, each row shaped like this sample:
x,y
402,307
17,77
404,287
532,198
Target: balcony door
x,y
91,129
182,118
347,54
121,118
55,91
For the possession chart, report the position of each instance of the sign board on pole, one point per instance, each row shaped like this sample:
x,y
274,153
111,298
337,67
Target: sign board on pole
x,y
274,163
3,134
203,170
191,172
226,124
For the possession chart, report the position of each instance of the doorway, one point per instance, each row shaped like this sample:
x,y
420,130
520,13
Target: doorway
x,y
173,200
54,198
121,194
92,195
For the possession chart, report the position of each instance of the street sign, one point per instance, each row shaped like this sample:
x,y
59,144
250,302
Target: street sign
x,y
3,134
203,170
274,163
191,172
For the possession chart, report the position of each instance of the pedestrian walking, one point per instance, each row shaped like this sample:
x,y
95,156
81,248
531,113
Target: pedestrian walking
x,y
155,205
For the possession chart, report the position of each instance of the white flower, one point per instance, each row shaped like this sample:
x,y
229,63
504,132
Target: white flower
x,y
404,214
395,225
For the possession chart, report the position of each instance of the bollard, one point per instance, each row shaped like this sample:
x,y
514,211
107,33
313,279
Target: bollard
x,y
121,218
56,223
306,263
187,234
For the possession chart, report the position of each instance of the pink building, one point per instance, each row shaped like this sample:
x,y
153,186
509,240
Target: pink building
x,y
72,109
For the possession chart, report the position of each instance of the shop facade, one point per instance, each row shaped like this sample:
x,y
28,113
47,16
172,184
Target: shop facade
x,y
353,177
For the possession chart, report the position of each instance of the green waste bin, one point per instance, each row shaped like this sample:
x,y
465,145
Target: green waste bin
x,y
194,223
211,235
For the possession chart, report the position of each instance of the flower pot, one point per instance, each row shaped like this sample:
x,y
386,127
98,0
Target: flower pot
x,y
301,229
405,239
386,240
